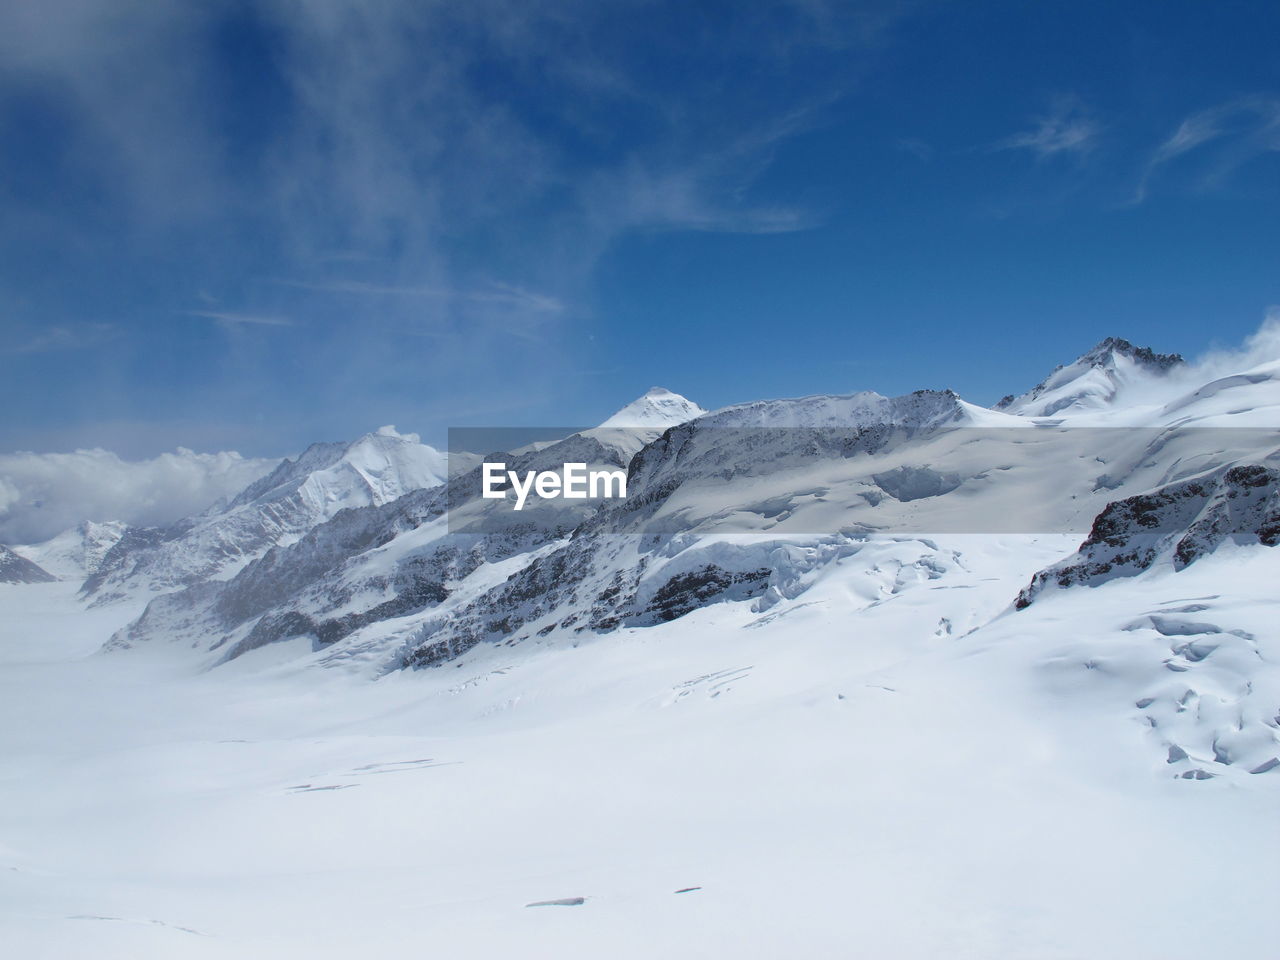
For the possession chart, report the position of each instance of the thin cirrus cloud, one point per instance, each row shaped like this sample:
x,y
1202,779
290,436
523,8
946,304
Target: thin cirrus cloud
x,y
920,149
427,310
57,337
394,177
1243,130
474,162
499,293
1067,129
709,192
457,172
233,318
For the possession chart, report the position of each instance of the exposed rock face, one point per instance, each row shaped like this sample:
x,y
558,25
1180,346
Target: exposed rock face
x,y
16,569
1178,523
614,571
1145,356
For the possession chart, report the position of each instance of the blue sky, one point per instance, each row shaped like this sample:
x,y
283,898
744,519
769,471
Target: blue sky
x,y
254,225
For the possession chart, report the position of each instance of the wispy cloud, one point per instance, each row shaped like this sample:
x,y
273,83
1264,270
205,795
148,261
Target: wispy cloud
x,y
709,190
499,293
446,171
919,149
1067,129
681,200
234,318
66,337
1244,129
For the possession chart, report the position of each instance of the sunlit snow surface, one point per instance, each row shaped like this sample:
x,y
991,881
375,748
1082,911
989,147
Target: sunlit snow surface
x,y
850,773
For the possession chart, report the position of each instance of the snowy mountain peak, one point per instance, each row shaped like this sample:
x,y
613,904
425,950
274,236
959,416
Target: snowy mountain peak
x,y
388,463
77,552
1092,380
1106,352
658,407
376,467
323,480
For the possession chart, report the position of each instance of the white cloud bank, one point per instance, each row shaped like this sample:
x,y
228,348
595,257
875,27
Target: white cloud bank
x,y
42,494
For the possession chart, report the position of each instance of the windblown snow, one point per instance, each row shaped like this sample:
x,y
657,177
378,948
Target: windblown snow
x,y
842,676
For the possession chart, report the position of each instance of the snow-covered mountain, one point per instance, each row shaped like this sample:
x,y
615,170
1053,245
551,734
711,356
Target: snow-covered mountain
x,y
78,552
658,407
745,504
325,479
750,505
1093,381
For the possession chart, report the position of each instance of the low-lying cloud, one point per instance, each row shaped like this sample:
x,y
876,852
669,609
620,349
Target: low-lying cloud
x,y
42,494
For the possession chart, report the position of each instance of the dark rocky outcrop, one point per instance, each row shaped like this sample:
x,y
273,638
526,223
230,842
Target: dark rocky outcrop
x,y
1177,524
16,569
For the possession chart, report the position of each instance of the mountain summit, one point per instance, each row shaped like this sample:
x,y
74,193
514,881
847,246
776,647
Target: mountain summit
x,y
1092,380
78,552
323,480
376,468
659,407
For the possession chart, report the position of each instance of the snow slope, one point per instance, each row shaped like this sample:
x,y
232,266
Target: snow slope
x,y
840,773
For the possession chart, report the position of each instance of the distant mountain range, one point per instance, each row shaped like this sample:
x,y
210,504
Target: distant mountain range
x,y
377,556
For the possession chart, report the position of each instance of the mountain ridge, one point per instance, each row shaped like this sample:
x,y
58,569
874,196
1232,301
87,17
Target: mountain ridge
x,y
1092,380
